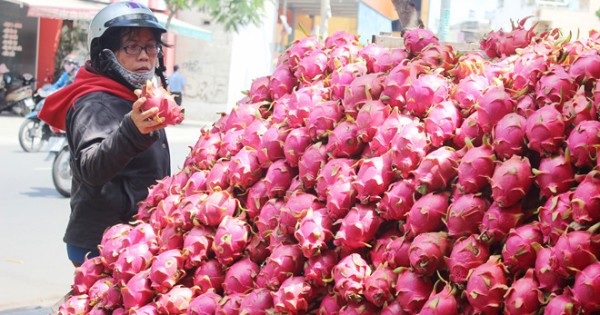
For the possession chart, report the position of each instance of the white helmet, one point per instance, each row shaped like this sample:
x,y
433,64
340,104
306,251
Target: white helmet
x,y
122,14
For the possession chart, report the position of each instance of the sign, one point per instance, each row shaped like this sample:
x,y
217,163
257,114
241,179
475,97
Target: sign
x,y
18,46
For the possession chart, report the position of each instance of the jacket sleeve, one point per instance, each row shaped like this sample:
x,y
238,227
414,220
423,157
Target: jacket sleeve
x,y
104,138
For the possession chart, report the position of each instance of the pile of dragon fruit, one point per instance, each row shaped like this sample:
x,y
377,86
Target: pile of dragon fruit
x,y
357,179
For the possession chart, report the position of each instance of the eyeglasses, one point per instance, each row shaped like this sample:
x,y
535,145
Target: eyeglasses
x,y
151,50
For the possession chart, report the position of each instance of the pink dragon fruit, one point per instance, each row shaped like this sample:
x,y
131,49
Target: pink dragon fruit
x,y
293,296
586,66
323,118
105,293
395,86
503,44
281,82
361,89
313,232
344,141
518,252
526,106
523,296
317,270
358,228
427,251
494,104
197,244
301,102
393,308
486,286
295,144
509,136
586,199
148,309
498,221
555,86
330,304
417,39
467,254
549,279
465,215
170,237
412,290
562,304
341,56
259,90
341,196
555,175
87,274
374,176
469,131
258,302
578,109
310,163
371,53
300,48
545,129
426,214
439,56
371,115
297,205
340,39
271,146
166,270
169,113
240,276
230,239
391,248
138,291
469,90
244,169
378,286
342,77
475,169
555,216
443,302
268,217
584,142
468,65
256,198
408,147
436,170
331,171
511,181
114,240
181,299
349,275
586,288
218,176
426,90
358,308
278,178
205,152
386,131
215,207
397,200
527,71
132,260
441,122
230,304
209,275
574,251
312,67
284,261
76,304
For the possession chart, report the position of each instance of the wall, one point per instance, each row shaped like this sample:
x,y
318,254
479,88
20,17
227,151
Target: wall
x,y
371,22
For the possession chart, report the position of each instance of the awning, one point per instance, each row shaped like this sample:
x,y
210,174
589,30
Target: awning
x,y
86,10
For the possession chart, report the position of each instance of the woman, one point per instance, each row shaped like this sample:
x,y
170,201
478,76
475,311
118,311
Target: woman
x,y
117,150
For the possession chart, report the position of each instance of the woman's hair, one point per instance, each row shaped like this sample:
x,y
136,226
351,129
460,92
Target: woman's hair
x,y
111,40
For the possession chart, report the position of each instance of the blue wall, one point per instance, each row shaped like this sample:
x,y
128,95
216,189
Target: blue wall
x,y
371,22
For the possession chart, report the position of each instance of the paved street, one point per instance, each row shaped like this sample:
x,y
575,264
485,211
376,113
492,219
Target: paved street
x,y
34,270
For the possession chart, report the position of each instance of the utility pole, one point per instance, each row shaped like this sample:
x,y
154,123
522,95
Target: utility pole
x,y
444,20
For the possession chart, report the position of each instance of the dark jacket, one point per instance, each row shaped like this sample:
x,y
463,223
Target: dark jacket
x,y
113,165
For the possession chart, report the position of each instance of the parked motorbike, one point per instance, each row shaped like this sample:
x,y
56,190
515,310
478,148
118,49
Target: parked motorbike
x,y
16,96
34,133
61,165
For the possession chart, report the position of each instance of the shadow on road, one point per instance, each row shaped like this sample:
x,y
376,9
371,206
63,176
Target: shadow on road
x,y
38,192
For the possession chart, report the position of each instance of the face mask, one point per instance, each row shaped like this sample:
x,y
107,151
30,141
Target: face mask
x,y
134,78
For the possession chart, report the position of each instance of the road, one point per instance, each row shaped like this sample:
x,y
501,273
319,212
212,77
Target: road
x,y
34,270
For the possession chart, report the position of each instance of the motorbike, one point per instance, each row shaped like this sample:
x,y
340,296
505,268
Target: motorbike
x,y
16,96
61,164
34,133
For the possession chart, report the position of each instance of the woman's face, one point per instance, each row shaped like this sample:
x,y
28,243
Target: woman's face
x,y
134,59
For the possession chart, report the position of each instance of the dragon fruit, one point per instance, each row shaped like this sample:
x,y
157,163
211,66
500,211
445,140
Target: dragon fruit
x,y
358,228
465,215
584,142
511,181
426,214
469,90
498,221
427,251
441,122
278,178
443,302
574,251
281,82
323,118
169,112
349,275
555,216
466,254
297,205
562,304
132,260
417,39
549,279
312,66
374,176
271,146
555,86
317,270
285,260
229,304
436,170
371,115
361,89
412,290
309,164
509,136
138,290
545,129
341,196
486,286
179,300
76,304
295,144
426,90
293,296
313,232
519,251
390,248
205,152
209,275
555,175
215,208
330,304
244,169
87,274
258,302
523,296
166,270
397,200
105,293
469,131
578,109
395,86
408,147
586,199
342,77
586,288
341,56
230,239
113,242
379,285
475,169
239,278
332,170
344,141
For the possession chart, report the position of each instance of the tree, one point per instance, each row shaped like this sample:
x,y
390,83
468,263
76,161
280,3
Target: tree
x,y
598,13
232,14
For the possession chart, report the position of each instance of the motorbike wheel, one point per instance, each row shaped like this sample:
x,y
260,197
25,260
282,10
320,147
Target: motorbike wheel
x,y
31,135
61,172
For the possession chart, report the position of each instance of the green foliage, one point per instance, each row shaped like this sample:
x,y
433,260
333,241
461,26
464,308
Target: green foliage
x,y
598,13
232,14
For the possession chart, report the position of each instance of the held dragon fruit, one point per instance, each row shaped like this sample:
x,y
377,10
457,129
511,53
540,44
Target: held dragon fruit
x,y
157,97
366,180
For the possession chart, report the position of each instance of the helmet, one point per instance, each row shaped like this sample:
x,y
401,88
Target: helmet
x,y
71,58
122,14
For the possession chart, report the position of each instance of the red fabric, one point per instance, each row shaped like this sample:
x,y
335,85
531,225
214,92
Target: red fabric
x,y
58,103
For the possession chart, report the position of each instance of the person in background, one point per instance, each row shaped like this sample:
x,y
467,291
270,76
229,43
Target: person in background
x,y
177,85
117,150
70,65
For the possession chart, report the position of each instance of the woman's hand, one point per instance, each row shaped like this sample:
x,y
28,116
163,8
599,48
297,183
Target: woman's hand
x,y
144,120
